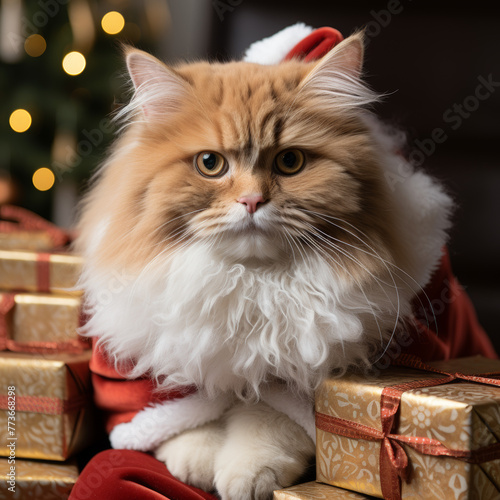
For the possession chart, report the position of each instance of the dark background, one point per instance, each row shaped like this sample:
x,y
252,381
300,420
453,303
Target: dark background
x,y
429,58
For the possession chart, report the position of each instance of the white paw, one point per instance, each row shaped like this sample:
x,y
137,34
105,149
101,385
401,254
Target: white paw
x,y
190,456
125,436
240,484
264,451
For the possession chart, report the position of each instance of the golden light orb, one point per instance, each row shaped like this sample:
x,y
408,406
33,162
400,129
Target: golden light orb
x,y
20,120
112,22
43,179
74,63
35,45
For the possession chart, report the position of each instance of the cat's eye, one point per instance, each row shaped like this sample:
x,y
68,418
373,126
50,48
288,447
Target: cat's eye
x,y
210,164
289,161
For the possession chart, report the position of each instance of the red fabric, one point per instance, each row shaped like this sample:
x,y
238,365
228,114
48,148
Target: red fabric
x,y
316,45
119,397
131,475
447,325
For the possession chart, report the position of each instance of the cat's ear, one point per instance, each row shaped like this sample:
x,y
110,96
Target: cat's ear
x,y
159,90
338,74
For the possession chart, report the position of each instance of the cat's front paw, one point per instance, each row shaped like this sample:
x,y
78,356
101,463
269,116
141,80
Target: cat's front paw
x,y
238,484
125,437
190,456
263,451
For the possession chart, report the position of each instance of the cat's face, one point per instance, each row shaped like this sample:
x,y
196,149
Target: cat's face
x,y
260,162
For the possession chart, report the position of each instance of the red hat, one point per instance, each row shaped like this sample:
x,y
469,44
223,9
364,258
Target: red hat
x,y
316,45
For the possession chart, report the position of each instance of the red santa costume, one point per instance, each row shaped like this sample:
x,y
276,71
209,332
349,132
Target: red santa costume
x,y
446,329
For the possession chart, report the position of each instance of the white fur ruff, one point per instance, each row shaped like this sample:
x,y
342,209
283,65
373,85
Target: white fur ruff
x,y
201,320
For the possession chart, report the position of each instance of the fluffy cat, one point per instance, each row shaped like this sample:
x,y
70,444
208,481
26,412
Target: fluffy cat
x,y
263,243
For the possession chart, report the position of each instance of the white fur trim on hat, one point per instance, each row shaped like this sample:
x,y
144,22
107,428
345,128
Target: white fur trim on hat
x,y
272,50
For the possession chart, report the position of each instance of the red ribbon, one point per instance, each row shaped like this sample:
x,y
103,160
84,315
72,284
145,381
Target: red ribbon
x,y
7,304
43,272
21,219
394,464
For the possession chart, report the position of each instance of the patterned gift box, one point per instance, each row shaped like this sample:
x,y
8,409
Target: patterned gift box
x,y
38,272
23,230
36,241
37,480
40,322
413,433
317,491
46,409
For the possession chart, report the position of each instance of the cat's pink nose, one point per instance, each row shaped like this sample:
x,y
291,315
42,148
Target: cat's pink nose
x,y
252,202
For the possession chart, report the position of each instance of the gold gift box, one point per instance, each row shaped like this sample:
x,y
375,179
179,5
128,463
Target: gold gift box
x,y
40,319
21,270
35,241
37,480
46,405
462,416
317,491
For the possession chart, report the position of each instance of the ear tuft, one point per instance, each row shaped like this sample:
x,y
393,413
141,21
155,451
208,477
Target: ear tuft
x,y
350,54
338,75
159,90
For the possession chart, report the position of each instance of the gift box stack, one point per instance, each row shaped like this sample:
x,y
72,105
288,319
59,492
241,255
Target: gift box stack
x,y
46,412
414,431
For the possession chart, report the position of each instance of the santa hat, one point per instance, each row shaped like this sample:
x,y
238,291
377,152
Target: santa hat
x,y
295,42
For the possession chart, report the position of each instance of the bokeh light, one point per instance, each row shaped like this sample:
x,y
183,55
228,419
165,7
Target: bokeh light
x,y
112,22
35,45
43,179
20,120
74,63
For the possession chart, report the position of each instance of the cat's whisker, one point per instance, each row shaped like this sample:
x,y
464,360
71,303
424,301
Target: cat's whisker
x,y
169,221
400,271
173,236
330,241
372,252
290,244
326,218
380,282
355,280
300,247
387,265
377,280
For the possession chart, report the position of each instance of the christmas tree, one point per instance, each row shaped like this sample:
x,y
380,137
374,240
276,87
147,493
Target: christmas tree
x,y
60,78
